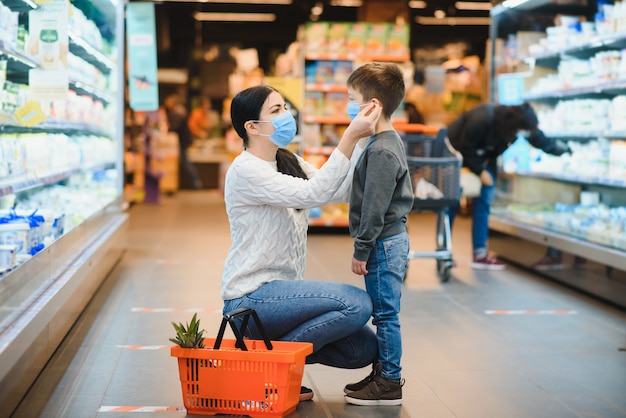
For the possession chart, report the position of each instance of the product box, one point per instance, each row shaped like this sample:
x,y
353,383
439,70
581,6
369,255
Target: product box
x,y
310,72
324,72
342,71
617,159
315,37
336,104
356,37
376,41
398,40
314,103
336,37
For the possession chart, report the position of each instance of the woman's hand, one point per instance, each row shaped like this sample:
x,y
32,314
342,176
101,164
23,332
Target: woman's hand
x,y
358,267
364,124
486,178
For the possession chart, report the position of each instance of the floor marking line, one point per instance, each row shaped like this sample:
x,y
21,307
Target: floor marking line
x,y
144,347
127,408
531,312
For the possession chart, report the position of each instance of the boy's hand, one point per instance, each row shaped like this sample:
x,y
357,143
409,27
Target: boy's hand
x,y
364,124
358,267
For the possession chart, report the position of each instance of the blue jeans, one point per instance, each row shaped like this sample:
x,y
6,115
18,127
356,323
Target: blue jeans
x,y
332,316
481,207
386,269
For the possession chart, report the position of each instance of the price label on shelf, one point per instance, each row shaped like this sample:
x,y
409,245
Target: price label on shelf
x,y
30,114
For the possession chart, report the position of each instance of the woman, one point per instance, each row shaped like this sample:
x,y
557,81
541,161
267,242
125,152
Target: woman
x,y
481,134
268,192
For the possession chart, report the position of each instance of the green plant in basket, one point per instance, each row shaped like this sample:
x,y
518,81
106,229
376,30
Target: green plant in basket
x,y
190,336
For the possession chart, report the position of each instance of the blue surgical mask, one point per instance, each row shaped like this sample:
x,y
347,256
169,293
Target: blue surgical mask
x,y
354,109
284,129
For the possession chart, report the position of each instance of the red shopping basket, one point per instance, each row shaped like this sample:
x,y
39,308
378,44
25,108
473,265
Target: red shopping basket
x,y
259,378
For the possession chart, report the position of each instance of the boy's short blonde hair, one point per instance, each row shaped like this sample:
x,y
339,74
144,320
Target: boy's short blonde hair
x,y
381,80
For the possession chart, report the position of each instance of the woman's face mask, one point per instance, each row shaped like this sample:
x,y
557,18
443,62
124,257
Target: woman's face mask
x,y
354,109
284,129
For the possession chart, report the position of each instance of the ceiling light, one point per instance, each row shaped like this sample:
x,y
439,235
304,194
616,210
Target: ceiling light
x,y
417,4
472,5
234,17
440,14
346,3
453,21
317,10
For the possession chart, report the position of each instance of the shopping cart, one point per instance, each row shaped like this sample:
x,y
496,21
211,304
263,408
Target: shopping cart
x,y
435,171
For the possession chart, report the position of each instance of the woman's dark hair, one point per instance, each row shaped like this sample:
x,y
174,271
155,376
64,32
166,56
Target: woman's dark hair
x,y
509,120
246,105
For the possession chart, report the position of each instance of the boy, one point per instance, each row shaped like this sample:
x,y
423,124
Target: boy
x,y
382,197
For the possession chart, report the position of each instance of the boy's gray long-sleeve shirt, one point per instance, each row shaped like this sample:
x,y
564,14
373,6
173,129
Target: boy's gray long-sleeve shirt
x,y
382,193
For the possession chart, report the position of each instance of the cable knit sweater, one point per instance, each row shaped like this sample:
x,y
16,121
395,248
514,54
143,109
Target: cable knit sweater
x,y
268,215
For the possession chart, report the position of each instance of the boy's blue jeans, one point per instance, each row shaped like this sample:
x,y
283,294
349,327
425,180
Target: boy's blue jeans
x,y
333,316
386,270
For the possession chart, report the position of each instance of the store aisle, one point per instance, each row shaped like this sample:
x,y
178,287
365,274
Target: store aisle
x,y
485,345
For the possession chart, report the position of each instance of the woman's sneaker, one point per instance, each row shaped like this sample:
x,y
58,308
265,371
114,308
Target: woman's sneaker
x,y
353,387
378,391
487,262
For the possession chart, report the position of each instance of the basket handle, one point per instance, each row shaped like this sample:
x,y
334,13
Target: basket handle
x,y
229,318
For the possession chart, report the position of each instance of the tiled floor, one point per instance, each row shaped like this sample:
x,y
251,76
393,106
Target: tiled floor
x,y
460,359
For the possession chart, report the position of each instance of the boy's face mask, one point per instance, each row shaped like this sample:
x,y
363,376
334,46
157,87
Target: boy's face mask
x,y
354,109
284,129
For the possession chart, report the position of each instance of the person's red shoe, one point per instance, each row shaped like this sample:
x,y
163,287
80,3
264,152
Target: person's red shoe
x,y
548,263
487,262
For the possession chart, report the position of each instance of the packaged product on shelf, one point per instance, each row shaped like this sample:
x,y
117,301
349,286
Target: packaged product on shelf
x,y
617,159
376,39
342,70
310,72
315,37
335,104
314,103
356,38
7,257
337,32
324,72
398,40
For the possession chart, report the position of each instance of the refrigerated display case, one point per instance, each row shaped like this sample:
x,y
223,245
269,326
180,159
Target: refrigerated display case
x,y
62,214
568,60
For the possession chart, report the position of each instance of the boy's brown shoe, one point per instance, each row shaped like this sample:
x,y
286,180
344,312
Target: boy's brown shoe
x,y
378,391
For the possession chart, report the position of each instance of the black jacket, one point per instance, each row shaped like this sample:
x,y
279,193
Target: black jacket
x,y
473,135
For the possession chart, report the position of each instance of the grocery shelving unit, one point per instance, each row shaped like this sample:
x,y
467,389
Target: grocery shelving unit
x,y
331,52
44,291
541,71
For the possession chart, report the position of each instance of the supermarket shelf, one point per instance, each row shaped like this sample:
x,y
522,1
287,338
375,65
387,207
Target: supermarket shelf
x,y
595,252
336,223
586,135
331,88
18,62
20,5
600,89
355,57
67,128
81,48
345,120
576,178
583,50
85,89
24,182
563,6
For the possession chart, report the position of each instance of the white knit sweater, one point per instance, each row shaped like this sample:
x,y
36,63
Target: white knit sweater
x,y
268,215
